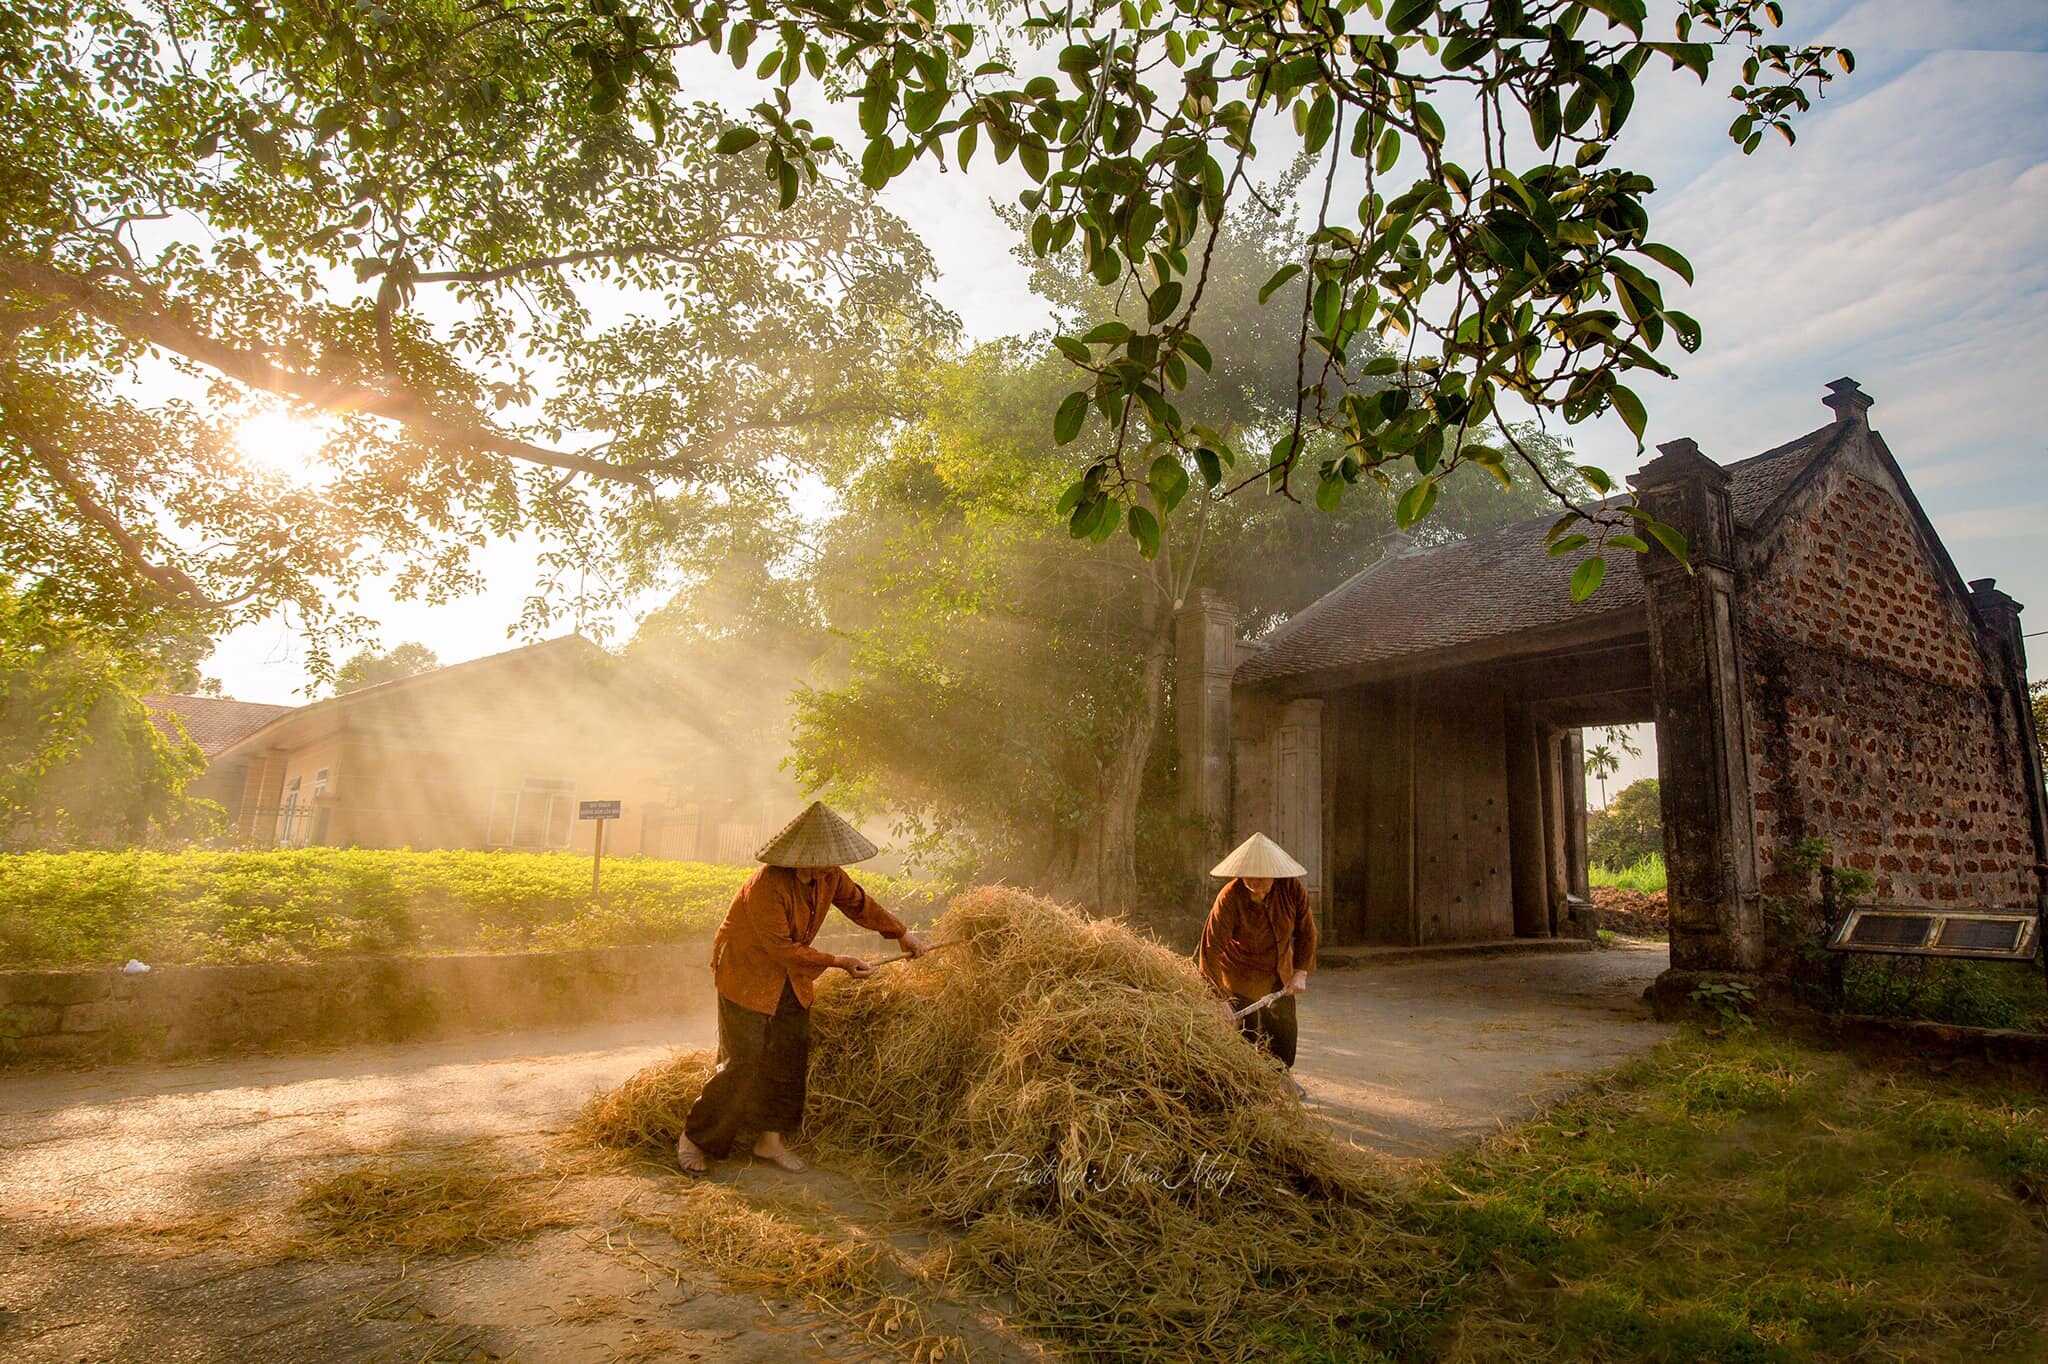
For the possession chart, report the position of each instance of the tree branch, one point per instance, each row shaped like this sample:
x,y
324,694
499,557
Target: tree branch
x,y
259,371
171,582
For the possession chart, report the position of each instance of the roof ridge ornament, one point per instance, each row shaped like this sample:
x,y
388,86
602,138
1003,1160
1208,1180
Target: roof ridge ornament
x,y
1678,461
1850,404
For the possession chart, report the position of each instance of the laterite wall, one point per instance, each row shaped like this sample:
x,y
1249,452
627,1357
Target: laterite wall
x,y
1875,721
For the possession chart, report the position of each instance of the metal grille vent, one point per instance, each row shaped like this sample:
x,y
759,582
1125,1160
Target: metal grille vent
x,y
1908,930
1891,930
1996,935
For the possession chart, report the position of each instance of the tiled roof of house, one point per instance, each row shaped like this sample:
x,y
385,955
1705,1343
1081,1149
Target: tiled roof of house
x,y
216,722
1487,587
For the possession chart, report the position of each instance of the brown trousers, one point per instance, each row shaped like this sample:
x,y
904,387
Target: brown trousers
x,y
1273,1027
759,1085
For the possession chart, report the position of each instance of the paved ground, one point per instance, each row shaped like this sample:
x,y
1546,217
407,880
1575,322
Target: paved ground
x,y
1408,1059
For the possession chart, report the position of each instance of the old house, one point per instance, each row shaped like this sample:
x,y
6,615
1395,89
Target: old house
x,y
1822,670
492,753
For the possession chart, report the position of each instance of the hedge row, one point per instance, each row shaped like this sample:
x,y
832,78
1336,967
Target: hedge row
x,y
68,909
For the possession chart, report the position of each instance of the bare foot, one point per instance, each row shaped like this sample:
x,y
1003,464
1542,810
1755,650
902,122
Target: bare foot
x,y
690,1157
771,1149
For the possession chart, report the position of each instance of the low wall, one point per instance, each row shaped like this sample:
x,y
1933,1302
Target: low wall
x,y
90,1017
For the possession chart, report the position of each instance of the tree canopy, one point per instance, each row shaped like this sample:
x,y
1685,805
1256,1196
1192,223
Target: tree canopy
x,y
369,667
516,304
492,248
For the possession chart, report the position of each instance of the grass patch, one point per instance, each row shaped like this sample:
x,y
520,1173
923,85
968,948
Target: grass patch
x,y
87,908
1645,877
1975,994
1752,1198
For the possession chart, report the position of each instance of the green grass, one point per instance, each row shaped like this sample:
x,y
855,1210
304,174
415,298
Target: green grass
x,y
1975,994
1646,876
1749,1198
64,909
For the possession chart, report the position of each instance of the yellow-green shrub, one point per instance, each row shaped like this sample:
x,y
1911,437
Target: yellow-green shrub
x,y
88,907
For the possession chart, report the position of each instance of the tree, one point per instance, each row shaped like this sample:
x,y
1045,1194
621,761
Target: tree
x,y
1602,763
1630,829
1496,285
191,190
1004,685
84,761
368,668
516,301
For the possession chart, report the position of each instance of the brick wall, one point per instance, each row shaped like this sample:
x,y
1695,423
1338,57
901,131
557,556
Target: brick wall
x,y
1874,720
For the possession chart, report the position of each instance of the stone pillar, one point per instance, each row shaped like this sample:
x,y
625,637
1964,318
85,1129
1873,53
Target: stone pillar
x,y
1298,794
1528,874
2000,617
1578,877
1702,750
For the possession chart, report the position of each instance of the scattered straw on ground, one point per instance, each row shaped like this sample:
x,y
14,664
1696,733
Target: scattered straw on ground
x,y
444,1204
1115,1160
851,1279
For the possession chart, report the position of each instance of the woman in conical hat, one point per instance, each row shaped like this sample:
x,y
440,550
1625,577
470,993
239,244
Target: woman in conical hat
x,y
1260,938
766,970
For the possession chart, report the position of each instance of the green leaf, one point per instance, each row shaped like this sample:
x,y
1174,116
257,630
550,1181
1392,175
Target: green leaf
x,y
1669,259
736,140
1389,151
1145,530
1168,479
1107,333
1597,476
1274,285
1409,14
1322,117
1631,409
1673,539
1567,545
1623,540
1163,300
1587,577
1415,503
1066,423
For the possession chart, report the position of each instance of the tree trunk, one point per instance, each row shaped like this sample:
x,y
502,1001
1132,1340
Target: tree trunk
x,y
1103,874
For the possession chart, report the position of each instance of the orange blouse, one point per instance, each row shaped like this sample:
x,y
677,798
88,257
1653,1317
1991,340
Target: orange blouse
x,y
767,934
1252,947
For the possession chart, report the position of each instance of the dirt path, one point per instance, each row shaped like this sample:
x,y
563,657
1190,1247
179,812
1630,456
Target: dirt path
x,y
135,1201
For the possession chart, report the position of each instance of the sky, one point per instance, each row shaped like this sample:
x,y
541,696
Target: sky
x,y
1903,241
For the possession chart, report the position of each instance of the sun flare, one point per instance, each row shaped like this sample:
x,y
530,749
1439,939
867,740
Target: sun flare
x,y
277,441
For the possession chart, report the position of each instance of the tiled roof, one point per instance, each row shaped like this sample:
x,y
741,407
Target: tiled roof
x,y
215,722
1487,587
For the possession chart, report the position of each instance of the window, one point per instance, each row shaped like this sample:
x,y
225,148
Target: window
x,y
288,816
539,813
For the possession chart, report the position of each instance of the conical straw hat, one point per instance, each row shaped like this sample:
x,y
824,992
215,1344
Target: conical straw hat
x,y
816,838
1258,856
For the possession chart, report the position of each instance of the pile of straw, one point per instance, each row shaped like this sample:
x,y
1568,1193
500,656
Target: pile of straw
x,y
462,1201
1072,1101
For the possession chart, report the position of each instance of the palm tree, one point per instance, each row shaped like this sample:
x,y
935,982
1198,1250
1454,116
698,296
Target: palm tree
x,y
1601,763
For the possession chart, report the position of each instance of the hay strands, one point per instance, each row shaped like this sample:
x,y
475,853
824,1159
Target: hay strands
x,y
1258,1004
937,947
